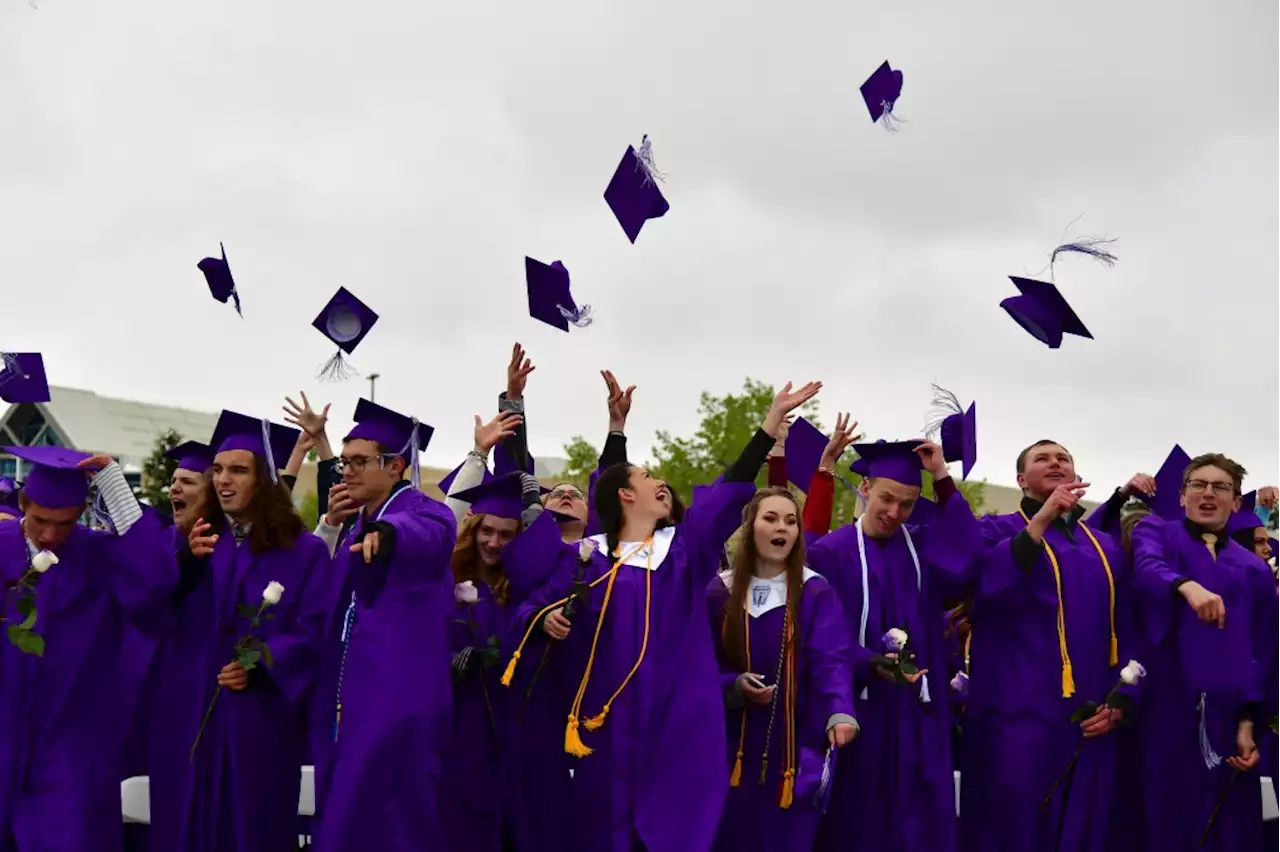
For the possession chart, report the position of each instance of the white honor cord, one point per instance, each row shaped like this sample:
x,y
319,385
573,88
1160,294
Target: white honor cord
x,y
866,596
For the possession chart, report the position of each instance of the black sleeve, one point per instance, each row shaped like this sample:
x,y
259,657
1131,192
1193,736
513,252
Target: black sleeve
x,y
517,446
191,569
289,481
753,457
1025,550
614,452
387,540
326,478
1252,711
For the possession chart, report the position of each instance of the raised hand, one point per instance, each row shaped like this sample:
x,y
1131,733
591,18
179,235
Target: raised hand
x,y
845,434
1268,497
488,435
787,401
304,417
95,463
341,506
1140,483
1062,501
932,460
619,402
518,371
200,542
780,442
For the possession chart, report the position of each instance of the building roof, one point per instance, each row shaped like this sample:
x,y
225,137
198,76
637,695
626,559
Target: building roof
x,y
119,427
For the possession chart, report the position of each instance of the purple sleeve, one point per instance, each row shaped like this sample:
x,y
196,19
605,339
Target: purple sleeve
x,y
531,557
294,637
715,515
827,559
1153,578
1265,637
420,555
717,598
1129,640
953,542
594,527
828,653
1000,580
141,572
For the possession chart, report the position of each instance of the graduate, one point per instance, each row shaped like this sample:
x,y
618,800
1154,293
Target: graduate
x,y
782,643
1208,607
227,737
1050,628
67,694
645,715
382,713
894,790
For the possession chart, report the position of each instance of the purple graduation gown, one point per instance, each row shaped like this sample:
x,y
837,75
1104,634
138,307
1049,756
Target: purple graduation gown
x,y
241,790
64,718
1018,733
657,776
1192,659
895,790
376,784
752,820
471,800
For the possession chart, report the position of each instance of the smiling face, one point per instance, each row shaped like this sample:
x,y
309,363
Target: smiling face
x,y
1262,543
889,504
1045,467
492,535
646,495
1209,496
568,500
186,496
367,473
234,475
776,528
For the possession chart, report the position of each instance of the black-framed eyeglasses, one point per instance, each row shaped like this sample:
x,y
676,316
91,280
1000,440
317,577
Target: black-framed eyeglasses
x,y
566,491
1222,489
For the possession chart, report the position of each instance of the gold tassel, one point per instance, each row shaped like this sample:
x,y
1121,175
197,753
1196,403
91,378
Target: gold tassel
x,y
736,778
788,789
597,721
511,669
573,743
1115,650
1068,680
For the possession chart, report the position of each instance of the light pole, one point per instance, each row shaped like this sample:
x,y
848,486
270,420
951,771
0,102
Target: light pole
x,y
373,386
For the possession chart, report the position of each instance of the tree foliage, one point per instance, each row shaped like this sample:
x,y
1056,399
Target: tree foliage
x,y
309,509
581,459
158,470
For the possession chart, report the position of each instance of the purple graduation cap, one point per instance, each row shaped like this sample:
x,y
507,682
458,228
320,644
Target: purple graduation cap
x,y
550,299
881,91
397,434
217,272
803,452
956,428
269,441
56,480
345,321
23,378
499,496
633,194
1043,312
896,460
193,456
1244,518
1166,504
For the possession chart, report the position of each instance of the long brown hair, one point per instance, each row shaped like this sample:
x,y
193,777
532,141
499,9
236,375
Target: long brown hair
x,y
468,567
1128,522
275,522
742,565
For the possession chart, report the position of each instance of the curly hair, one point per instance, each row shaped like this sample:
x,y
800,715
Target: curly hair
x,y
467,565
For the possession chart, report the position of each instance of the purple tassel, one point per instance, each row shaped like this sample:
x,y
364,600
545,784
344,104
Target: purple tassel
x,y
890,121
9,367
581,317
336,369
644,161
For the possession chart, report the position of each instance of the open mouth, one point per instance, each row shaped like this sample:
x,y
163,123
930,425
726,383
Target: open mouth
x,y
179,504
1056,476
226,495
778,541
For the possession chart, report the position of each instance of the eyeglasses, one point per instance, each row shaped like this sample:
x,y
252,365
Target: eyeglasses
x,y
566,491
356,463
1222,489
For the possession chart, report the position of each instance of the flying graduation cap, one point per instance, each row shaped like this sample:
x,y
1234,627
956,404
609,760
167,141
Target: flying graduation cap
x,y
1043,312
956,428
1165,504
633,194
550,299
217,272
803,452
880,92
345,321
22,378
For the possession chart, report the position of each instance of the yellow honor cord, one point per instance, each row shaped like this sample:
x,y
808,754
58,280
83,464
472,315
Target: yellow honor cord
x,y
789,720
1068,678
736,777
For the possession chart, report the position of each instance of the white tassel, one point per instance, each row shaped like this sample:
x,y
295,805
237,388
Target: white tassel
x,y
1211,758
266,449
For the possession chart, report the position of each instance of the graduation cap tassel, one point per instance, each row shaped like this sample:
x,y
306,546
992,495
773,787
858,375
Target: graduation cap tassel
x,y
644,162
411,450
9,364
888,119
581,317
266,448
943,405
336,369
1089,246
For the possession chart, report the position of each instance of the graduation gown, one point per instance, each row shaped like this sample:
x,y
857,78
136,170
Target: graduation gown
x,y
1018,733
241,790
657,776
895,790
471,800
752,820
387,660
1200,677
64,717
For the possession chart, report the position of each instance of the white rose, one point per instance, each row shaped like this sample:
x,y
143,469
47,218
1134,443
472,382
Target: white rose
x,y
1132,672
586,547
895,639
960,682
465,593
272,593
43,561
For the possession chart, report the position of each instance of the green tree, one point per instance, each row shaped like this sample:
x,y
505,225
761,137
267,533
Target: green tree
x,y
158,470
581,460
309,509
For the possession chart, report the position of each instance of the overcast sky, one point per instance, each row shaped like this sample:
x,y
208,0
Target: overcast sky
x,y
416,151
